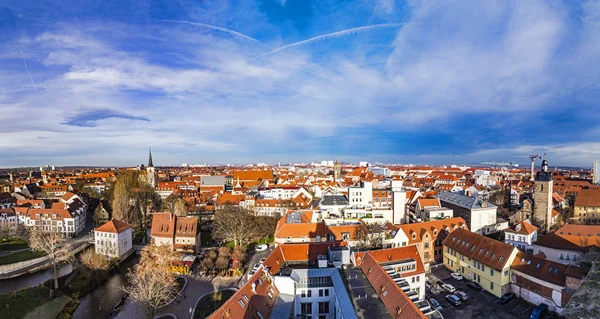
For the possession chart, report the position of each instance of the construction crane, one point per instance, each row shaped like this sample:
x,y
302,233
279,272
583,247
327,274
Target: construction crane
x,y
532,157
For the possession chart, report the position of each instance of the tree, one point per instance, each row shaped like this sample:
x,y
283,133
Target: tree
x,y
370,235
239,254
222,263
94,261
180,207
54,246
152,285
146,200
235,224
266,225
122,196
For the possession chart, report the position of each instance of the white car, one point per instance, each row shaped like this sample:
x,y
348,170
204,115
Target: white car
x,y
448,288
262,247
456,276
256,266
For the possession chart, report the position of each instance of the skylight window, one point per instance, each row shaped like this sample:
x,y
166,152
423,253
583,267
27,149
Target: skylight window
x,y
500,259
550,269
556,271
494,256
538,265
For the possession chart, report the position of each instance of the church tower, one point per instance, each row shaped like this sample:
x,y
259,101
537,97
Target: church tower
x,y
151,175
542,198
337,169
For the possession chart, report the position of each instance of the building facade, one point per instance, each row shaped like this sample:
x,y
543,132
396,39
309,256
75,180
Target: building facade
x,y
113,239
542,198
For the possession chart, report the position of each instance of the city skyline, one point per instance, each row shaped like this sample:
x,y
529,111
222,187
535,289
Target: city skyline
x,y
96,83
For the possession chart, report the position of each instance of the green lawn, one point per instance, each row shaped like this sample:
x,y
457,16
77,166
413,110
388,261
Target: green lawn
x,y
14,258
12,244
49,309
208,305
16,305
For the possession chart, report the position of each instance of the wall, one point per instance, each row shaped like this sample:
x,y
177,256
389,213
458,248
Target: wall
x,y
554,254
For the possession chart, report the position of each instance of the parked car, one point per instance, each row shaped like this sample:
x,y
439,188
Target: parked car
x,y
440,283
428,286
453,300
448,288
435,304
539,312
473,285
262,247
456,276
462,295
506,298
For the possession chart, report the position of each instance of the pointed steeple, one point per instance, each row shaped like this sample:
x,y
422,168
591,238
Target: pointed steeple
x,y
150,158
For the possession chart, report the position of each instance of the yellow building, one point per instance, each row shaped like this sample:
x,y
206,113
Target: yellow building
x,y
587,207
480,259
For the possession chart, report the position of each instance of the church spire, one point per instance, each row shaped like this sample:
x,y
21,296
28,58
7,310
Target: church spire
x,y
150,158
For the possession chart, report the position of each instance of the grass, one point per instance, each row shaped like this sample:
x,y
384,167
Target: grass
x,y
49,309
13,244
208,305
17,304
22,256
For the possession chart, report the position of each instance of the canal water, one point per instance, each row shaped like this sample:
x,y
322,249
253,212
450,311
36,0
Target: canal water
x,y
32,280
98,303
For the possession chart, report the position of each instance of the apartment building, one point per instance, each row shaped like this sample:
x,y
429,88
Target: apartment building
x,y
480,215
480,259
113,239
587,207
521,235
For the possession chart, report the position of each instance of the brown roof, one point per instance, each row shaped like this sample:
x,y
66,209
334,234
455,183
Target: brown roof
x,y
580,235
114,226
252,175
541,268
395,300
306,252
524,228
426,202
394,254
163,225
186,227
588,198
420,229
490,252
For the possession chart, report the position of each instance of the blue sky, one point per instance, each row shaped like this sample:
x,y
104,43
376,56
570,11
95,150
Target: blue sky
x,y
97,82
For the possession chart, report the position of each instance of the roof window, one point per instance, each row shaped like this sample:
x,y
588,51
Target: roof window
x,y
522,260
529,262
550,269
494,256
241,302
500,259
480,250
556,271
538,265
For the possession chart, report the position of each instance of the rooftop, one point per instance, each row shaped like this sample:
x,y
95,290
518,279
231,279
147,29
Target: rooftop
x,y
464,201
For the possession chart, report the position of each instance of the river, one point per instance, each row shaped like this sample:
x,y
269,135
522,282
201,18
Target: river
x,y
31,280
98,303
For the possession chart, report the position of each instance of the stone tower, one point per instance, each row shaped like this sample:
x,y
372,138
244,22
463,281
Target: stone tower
x,y
151,175
542,198
337,169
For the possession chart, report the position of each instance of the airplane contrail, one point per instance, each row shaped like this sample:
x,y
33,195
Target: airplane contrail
x,y
214,27
333,35
27,68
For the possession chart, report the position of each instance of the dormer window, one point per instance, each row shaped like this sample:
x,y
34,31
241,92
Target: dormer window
x,y
414,236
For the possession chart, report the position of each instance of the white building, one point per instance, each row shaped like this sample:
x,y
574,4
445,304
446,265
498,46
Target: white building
x,y
313,293
433,213
480,215
521,235
114,239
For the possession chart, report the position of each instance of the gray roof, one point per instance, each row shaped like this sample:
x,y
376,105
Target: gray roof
x,y
463,201
334,200
283,306
207,180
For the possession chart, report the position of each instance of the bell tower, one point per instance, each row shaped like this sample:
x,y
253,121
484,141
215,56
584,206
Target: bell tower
x,y
151,175
542,198
337,169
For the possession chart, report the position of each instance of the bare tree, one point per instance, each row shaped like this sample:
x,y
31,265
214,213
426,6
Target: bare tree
x,y
152,285
122,196
236,225
370,235
239,254
54,246
147,200
94,261
180,207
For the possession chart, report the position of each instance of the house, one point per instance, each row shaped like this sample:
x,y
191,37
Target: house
x,y
538,280
114,239
179,233
481,259
6,200
426,236
480,215
403,264
587,207
569,243
521,235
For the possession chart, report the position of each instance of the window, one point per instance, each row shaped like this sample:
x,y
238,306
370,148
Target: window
x,y
506,272
426,245
306,308
345,236
318,238
288,239
561,256
413,280
491,285
320,292
303,239
324,307
491,272
326,292
482,267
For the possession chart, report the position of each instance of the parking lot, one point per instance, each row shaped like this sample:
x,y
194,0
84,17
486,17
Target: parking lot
x,y
480,305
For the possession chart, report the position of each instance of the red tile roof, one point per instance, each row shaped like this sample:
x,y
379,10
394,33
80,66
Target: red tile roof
x,y
395,300
420,229
114,226
163,225
186,227
541,268
394,254
523,228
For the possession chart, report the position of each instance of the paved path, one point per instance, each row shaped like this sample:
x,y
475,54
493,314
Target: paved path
x,y
196,287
